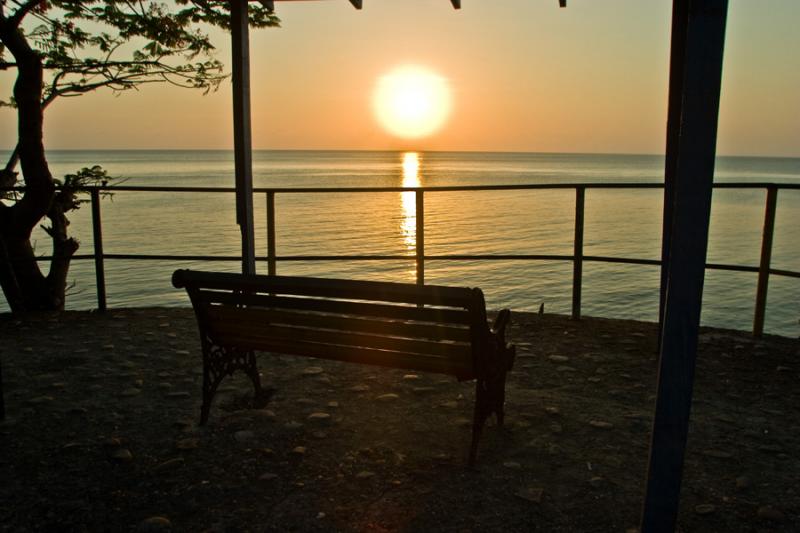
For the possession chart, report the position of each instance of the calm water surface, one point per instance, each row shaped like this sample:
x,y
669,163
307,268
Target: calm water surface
x,y
622,223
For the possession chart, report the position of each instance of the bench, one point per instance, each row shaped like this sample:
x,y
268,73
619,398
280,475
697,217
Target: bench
x,y
423,328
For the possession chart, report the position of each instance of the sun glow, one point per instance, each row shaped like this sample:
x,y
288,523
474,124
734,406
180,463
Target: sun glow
x,y
408,199
411,102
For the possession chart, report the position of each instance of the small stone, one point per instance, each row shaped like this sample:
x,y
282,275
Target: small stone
x,y
410,377
298,452
40,400
565,369
601,424
555,427
305,401
365,474
359,388
704,508
559,358
170,464
512,465
333,405
321,418
594,379
187,444
387,397
422,390
449,405
531,494
767,512
553,411
596,481
244,436
154,524
462,422
121,455
293,424
313,371
743,482
319,435
320,515
268,476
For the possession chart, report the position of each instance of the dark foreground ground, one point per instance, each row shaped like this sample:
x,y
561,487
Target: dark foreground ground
x,y
102,435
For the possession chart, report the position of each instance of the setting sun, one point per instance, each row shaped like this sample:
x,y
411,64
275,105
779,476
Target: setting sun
x,y
411,102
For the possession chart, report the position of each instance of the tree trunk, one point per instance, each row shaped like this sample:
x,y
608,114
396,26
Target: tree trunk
x,y
23,283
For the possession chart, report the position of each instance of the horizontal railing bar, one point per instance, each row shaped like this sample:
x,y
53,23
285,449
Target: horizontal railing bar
x,y
448,188
450,257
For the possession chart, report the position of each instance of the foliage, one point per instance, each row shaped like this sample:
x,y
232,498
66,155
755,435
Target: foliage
x,y
121,44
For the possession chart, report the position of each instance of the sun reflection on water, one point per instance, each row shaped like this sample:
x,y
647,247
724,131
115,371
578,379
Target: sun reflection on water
x,y
408,199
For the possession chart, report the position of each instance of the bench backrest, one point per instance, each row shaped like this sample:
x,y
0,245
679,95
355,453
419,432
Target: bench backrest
x,y
400,325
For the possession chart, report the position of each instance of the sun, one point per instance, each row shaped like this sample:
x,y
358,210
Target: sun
x,y
411,101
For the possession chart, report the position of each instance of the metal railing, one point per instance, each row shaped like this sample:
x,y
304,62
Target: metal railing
x,y
764,269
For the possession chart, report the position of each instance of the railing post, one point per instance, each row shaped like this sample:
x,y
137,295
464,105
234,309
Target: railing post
x,y
420,237
577,264
99,267
271,263
766,257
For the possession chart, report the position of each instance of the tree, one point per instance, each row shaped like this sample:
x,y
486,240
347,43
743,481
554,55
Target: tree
x,y
64,48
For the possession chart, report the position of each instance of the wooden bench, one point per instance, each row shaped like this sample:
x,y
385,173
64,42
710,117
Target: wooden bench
x,y
414,327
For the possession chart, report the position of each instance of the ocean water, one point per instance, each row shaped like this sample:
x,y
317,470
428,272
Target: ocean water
x,y
619,223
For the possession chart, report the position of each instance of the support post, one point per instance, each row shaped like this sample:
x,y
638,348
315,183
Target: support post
x,y
680,11
704,30
577,263
420,236
271,263
766,257
242,141
99,265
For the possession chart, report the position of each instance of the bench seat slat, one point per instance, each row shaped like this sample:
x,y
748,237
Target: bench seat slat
x,y
288,334
330,288
353,354
261,317
401,312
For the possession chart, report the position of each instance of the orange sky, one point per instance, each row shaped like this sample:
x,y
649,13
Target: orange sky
x,y
525,76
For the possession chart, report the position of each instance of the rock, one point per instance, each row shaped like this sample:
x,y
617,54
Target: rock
x,y
268,476
743,482
565,368
359,388
387,397
767,512
187,444
365,474
594,379
596,482
170,464
298,452
293,425
244,435
531,494
555,427
333,405
320,418
154,524
559,358
305,401
130,392
600,424
449,405
705,508
553,411
121,455
312,371
410,377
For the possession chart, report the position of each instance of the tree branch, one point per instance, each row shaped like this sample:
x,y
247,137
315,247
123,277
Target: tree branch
x,y
25,8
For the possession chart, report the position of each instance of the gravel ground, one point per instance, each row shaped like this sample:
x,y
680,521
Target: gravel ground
x,y
101,434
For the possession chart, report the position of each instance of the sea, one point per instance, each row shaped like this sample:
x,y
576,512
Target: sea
x,y
623,223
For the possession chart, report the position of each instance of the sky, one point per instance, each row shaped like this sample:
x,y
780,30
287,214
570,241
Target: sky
x,y
524,75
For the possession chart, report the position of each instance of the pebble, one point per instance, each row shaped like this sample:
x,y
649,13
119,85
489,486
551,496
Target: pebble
x,y
387,397
596,481
293,424
187,444
154,524
512,465
422,390
556,428
121,455
743,482
359,388
601,424
244,435
594,379
704,508
462,422
40,400
565,368
365,474
268,476
410,377
767,512
298,452
313,371
531,494
450,405
320,417
333,405
552,411
170,464
559,358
